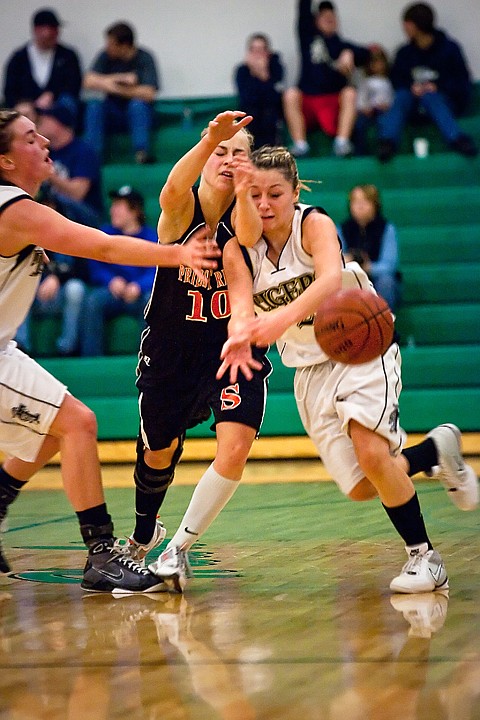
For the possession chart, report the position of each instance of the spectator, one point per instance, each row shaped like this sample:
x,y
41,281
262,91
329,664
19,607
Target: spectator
x,y
371,240
324,95
258,82
60,293
127,76
430,77
74,188
118,289
374,96
43,71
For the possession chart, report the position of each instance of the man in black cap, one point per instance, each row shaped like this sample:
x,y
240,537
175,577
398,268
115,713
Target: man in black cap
x,y
42,71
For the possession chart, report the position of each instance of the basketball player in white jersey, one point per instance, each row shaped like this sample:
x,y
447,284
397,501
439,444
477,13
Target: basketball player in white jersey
x,y
38,417
349,411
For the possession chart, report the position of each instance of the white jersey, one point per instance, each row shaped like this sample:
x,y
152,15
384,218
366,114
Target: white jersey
x,y
277,285
19,275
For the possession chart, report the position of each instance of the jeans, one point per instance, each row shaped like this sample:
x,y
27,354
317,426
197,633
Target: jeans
x,y
363,124
106,115
66,304
99,307
436,106
388,285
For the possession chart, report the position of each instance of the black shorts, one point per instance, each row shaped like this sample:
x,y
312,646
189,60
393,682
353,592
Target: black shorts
x,y
186,398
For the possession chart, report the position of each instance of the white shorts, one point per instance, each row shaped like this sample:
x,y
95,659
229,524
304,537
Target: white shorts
x,y
30,399
330,395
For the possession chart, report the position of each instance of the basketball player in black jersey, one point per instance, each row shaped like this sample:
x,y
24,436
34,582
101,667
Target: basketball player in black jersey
x,y
180,348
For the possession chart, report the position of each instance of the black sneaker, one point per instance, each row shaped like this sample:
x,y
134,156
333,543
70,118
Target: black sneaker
x,y
107,570
465,146
385,150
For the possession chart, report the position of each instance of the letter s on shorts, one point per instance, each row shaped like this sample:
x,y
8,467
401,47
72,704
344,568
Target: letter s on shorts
x,y
230,397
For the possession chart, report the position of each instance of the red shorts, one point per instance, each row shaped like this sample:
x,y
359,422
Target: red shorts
x,y
321,110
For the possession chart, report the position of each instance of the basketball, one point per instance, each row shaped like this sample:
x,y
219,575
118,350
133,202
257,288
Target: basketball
x,y
354,326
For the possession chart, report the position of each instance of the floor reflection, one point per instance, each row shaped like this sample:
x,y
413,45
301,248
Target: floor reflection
x,y
230,653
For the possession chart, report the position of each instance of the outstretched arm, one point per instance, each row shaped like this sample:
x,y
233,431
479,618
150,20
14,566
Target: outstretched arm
x,y
237,352
29,223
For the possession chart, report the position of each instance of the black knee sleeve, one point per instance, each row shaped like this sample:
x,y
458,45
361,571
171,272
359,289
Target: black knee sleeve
x,y
150,480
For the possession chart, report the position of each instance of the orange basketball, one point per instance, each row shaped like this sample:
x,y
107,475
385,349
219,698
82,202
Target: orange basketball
x,y
354,326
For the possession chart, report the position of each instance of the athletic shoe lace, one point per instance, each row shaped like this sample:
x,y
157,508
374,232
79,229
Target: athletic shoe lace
x,y
412,566
128,562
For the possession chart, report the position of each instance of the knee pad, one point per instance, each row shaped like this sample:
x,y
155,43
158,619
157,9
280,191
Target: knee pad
x,y
150,480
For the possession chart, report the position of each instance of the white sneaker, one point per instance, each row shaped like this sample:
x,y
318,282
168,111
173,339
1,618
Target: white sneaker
x,y
423,572
426,612
173,568
458,478
342,147
300,149
136,551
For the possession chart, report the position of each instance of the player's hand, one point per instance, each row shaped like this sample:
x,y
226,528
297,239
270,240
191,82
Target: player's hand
x,y
200,252
243,170
237,355
265,329
226,124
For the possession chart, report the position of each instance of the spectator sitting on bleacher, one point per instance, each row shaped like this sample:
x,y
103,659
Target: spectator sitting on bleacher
x,y
325,96
61,294
374,96
127,78
42,71
74,188
117,289
258,81
371,240
430,77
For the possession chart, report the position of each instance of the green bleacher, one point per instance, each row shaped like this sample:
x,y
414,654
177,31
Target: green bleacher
x,y
435,203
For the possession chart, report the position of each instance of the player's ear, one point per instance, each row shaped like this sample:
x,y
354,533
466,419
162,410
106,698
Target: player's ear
x,y
6,163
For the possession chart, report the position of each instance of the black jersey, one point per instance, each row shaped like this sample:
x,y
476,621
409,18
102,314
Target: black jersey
x,y
185,316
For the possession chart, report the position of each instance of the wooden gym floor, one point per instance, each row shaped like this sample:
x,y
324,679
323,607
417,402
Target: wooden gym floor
x,y
289,614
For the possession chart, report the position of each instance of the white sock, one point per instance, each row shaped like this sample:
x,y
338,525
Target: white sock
x,y
210,497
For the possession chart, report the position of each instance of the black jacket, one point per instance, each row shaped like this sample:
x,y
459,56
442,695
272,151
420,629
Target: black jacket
x,y
66,76
318,75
